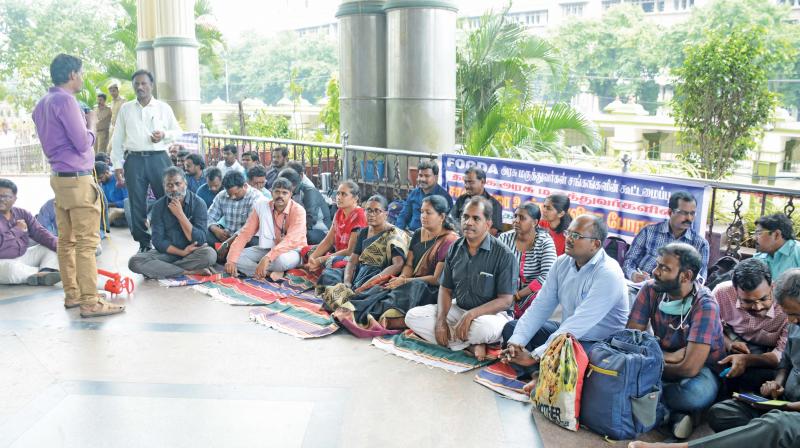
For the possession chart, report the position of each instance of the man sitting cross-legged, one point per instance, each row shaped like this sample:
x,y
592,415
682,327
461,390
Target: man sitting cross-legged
x,y
476,288
280,225
589,286
178,225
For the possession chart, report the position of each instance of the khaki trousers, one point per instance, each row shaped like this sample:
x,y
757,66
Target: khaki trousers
x,y
101,141
78,218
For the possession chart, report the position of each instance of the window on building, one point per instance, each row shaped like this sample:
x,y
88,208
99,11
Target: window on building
x,y
792,3
609,3
650,5
653,150
573,9
682,5
530,18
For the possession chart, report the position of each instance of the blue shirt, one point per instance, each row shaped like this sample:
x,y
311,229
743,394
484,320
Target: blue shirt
x,y
787,257
409,217
115,197
206,194
594,301
644,248
193,184
167,230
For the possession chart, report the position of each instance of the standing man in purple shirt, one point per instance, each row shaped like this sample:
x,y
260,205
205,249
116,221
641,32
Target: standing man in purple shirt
x,y
67,138
35,265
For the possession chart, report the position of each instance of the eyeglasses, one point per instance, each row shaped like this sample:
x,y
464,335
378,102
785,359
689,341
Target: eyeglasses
x,y
758,232
6,197
374,211
577,236
684,212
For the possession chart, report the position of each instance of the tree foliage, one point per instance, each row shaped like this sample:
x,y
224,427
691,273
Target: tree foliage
x,y
330,112
722,100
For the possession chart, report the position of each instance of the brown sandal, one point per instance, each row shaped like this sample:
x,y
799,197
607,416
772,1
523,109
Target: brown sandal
x,y
101,308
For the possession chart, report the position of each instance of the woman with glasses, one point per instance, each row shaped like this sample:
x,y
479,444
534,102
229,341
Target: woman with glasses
x,y
556,219
384,307
535,253
379,253
332,252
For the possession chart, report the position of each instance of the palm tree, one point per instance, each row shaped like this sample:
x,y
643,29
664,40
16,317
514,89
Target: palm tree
x,y
497,69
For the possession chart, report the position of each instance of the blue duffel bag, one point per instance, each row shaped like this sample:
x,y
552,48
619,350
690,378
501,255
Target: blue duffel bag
x,y
623,385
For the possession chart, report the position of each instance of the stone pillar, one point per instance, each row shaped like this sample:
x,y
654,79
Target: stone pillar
x,y
421,74
146,33
177,66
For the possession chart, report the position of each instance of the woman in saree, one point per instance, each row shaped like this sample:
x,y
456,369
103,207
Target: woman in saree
x,y
534,251
379,254
385,307
556,219
338,244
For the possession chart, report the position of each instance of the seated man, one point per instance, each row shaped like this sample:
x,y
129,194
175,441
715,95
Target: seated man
x,y
249,160
755,330
181,157
233,205
114,195
178,226
589,286
279,158
47,216
20,264
194,165
685,318
301,169
280,225
776,244
318,214
257,178
476,288
641,257
229,162
474,183
743,425
209,190
427,175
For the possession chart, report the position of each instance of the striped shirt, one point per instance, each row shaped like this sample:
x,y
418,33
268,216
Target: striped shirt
x,y
538,259
644,249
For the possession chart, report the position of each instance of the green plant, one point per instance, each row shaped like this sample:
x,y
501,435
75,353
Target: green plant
x,y
262,124
330,112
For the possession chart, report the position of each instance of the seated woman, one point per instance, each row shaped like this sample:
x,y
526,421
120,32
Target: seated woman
x,y
379,254
385,307
338,244
556,219
535,253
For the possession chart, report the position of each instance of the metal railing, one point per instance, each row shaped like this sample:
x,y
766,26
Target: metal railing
x,y
23,159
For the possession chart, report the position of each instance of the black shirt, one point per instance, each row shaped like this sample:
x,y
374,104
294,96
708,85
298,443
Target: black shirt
x,y
497,210
479,279
167,230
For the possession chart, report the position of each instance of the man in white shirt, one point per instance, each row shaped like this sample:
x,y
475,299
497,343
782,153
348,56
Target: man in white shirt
x,y
142,134
229,162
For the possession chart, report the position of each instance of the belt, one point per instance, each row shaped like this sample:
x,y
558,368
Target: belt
x,y
146,153
73,174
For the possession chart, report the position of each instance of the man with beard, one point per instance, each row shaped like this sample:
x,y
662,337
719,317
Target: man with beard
x,y
142,133
280,157
776,244
179,233
755,330
474,183
641,259
427,174
589,286
280,225
685,319
194,165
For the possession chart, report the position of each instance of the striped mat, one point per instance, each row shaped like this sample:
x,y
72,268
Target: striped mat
x,y
190,280
280,307
502,379
413,348
301,279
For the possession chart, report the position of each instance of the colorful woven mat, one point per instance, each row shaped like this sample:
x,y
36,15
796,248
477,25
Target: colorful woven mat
x,y
410,346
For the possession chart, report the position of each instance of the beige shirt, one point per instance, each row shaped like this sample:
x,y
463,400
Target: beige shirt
x,y
135,124
115,105
103,118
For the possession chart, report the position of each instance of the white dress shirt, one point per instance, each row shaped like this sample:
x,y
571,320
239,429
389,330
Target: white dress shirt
x,y
235,167
135,124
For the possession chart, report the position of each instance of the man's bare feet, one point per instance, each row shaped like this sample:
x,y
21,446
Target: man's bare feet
x,y
275,276
199,272
530,385
394,323
638,444
478,351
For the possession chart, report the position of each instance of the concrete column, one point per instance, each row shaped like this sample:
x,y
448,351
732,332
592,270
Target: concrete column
x,y
362,71
421,74
177,66
146,33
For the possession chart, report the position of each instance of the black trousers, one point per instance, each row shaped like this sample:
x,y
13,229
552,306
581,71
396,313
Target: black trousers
x,y
143,170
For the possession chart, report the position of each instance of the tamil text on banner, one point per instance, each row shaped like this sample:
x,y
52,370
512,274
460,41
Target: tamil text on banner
x,y
190,141
627,201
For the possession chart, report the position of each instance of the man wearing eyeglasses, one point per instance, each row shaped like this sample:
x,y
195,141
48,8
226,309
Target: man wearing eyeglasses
x,y
685,319
641,257
776,245
589,286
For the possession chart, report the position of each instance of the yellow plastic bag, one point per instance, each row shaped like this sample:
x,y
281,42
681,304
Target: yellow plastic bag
x,y
558,391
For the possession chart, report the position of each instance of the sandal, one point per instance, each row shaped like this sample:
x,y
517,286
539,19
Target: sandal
x,y
101,308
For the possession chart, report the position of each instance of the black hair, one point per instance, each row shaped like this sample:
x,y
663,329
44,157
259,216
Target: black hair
x,y
479,173
256,171
290,175
680,196
599,228
297,166
355,190
428,165
441,207
252,155
777,221
102,157
748,274
283,183
173,171
100,167
230,148
62,66
232,179
533,210
6,183
213,173
143,72
787,287
560,202
102,95
197,160
380,200
284,150
488,209
688,257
